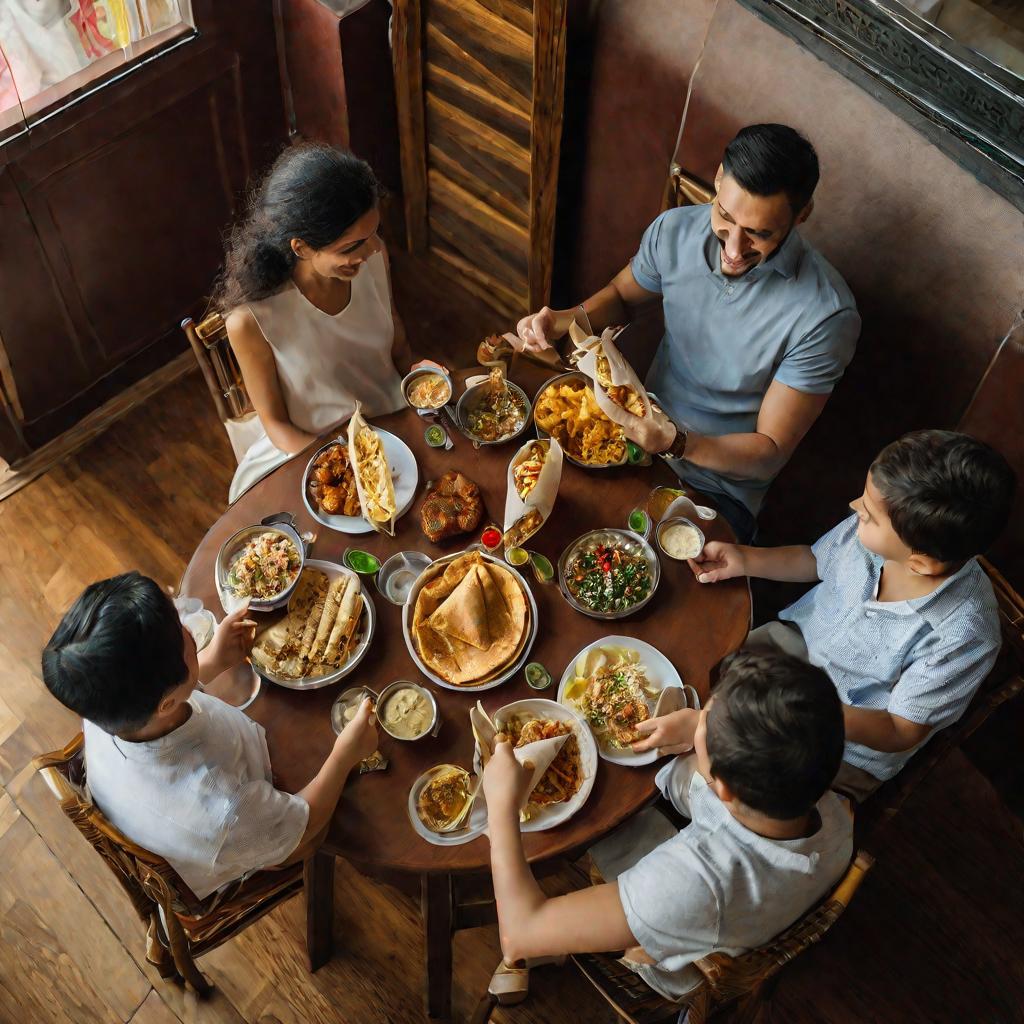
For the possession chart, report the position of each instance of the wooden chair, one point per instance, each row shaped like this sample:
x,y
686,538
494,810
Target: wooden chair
x,y
220,370
1005,681
181,927
732,988
684,190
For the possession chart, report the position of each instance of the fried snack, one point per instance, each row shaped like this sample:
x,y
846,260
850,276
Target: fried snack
x,y
622,395
494,349
332,484
568,411
453,506
443,798
523,528
527,473
373,475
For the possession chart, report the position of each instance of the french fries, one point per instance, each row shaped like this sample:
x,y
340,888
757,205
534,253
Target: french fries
x,y
569,412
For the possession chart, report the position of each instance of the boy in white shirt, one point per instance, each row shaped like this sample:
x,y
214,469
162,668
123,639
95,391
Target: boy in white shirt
x,y
904,620
179,772
765,842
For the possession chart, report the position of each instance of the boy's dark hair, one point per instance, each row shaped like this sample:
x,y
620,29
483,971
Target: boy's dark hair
x,y
767,159
775,732
948,496
116,652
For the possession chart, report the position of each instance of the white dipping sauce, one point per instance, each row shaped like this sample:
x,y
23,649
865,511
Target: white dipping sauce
x,y
680,540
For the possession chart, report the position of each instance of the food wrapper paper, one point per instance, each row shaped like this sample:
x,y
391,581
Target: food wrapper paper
x,y
388,490
542,497
540,753
587,348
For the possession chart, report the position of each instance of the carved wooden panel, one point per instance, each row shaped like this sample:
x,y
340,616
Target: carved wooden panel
x,y
479,88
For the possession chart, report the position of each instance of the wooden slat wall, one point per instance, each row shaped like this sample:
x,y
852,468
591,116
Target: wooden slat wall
x,y
479,86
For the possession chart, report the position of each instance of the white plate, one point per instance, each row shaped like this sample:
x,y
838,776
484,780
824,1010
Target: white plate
x,y
524,657
368,624
476,826
553,814
404,474
661,673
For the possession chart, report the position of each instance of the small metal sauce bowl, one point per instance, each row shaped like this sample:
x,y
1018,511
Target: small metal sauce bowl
x,y
402,684
410,378
676,521
350,698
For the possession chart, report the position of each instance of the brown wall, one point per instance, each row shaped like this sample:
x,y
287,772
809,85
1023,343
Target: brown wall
x,y
111,214
933,257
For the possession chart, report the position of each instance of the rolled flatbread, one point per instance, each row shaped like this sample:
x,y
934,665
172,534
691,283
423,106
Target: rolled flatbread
x,y
349,609
328,618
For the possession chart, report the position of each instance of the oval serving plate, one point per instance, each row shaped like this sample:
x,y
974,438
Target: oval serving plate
x,y
539,707
524,650
542,433
661,674
404,473
367,626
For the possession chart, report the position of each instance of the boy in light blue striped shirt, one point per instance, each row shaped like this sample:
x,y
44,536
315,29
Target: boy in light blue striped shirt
x,y
904,619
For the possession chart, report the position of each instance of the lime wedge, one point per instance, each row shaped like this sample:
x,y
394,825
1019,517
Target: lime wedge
x,y
543,570
516,556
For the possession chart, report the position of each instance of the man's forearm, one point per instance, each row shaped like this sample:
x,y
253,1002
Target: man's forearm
x,y
744,456
881,731
516,892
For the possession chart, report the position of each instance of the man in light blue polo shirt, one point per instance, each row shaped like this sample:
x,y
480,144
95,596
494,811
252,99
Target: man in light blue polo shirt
x,y
758,326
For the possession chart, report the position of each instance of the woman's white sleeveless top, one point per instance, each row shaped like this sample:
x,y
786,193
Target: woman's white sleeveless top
x,y
326,363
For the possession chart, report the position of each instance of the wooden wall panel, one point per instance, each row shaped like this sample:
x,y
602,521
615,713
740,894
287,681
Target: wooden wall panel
x,y
480,143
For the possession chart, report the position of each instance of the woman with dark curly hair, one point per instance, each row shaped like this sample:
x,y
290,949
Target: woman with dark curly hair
x,y
306,295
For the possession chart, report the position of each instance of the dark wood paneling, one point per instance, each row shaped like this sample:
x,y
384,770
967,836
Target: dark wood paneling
x,y
479,102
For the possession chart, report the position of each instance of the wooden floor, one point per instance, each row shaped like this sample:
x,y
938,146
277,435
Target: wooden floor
x,y
935,935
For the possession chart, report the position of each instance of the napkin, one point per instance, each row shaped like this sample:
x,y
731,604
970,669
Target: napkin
x,y
541,499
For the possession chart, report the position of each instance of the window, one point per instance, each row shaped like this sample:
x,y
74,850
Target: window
x,y
51,50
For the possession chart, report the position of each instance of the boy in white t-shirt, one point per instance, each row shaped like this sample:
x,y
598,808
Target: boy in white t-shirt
x,y
179,772
765,842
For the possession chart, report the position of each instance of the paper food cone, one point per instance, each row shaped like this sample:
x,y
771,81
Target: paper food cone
x,y
587,351
379,507
523,518
540,754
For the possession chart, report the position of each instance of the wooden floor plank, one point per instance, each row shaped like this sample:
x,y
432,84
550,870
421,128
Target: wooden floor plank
x,y
154,1011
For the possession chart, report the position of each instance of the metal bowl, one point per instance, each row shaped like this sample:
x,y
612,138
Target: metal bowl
x,y
410,378
405,684
542,433
282,523
469,399
673,521
627,541
402,569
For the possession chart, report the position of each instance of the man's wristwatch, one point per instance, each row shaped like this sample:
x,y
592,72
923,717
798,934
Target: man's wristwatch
x,y
677,449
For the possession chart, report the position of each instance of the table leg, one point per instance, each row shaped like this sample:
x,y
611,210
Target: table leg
x,y
436,905
318,875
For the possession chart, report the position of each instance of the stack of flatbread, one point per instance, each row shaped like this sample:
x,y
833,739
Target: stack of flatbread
x,y
470,621
319,632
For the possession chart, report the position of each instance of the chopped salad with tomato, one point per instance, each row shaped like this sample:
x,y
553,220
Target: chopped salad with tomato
x,y
608,579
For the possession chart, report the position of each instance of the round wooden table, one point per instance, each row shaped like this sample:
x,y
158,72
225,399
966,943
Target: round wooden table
x,y
694,626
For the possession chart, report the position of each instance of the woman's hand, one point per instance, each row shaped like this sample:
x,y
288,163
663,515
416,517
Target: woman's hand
x,y
505,779
359,737
654,432
671,734
534,333
429,364
232,640
719,561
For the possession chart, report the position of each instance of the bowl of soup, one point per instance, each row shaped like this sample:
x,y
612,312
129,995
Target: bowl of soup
x,y
427,388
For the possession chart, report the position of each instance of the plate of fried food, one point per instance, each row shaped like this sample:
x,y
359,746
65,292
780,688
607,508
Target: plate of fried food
x,y
469,621
324,633
565,408
616,683
331,494
555,739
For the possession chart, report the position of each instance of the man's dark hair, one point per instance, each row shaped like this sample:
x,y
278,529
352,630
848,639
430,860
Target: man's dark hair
x,y
767,159
116,652
948,496
775,732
